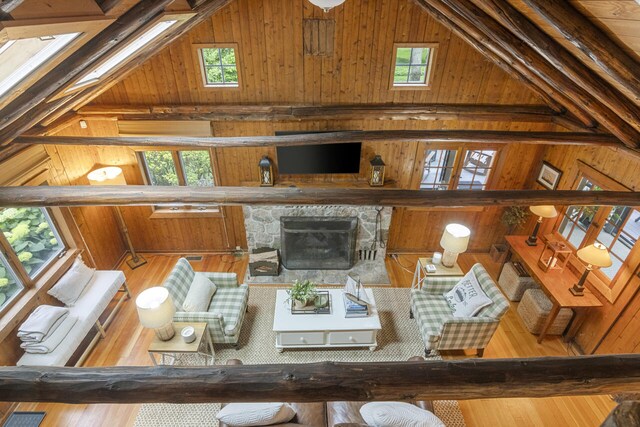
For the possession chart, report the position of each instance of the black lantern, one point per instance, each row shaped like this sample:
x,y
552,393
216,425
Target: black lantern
x,y
266,172
377,172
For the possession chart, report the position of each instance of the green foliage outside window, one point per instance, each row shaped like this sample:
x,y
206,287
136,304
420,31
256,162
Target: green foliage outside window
x,y
196,165
161,169
220,66
9,286
197,168
411,65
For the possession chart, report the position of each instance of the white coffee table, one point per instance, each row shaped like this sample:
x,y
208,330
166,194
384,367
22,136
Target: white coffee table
x,y
324,330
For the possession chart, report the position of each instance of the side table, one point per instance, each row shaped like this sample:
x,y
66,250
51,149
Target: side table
x,y
202,345
421,272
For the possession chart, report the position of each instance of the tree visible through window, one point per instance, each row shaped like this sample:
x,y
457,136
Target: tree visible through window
x,y
412,66
219,66
191,168
34,241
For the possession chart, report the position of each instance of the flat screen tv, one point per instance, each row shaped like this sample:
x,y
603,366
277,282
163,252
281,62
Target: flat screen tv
x,y
319,159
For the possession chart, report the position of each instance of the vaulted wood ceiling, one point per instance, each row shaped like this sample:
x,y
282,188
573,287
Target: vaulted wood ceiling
x,y
583,61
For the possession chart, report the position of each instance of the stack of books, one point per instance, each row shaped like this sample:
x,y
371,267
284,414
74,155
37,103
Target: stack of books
x,y
353,309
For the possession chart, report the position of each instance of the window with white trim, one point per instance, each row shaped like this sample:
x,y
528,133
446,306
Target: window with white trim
x,y
461,169
412,65
219,65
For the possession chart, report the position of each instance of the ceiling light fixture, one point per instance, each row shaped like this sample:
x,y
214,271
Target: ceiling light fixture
x,y
326,5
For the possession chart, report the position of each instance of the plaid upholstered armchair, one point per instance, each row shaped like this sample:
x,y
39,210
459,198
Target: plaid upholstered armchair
x,y
440,330
226,310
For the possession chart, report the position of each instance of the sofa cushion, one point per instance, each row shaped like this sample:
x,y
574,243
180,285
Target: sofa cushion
x,y
467,298
199,296
398,414
255,414
72,283
431,311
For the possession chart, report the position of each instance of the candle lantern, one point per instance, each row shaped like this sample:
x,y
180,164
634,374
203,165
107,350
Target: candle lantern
x,y
554,256
266,172
377,172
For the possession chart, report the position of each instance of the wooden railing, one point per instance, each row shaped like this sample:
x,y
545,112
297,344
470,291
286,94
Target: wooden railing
x,y
327,381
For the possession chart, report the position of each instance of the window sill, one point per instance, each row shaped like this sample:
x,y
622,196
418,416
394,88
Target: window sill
x,y
411,87
185,213
31,297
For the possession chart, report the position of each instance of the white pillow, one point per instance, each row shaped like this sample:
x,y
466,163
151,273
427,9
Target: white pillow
x,y
72,283
467,298
398,414
255,414
200,293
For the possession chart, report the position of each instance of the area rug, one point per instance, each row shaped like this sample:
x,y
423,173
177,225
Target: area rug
x,y
398,340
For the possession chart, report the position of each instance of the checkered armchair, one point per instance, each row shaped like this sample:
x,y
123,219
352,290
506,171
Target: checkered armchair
x,y
228,305
440,330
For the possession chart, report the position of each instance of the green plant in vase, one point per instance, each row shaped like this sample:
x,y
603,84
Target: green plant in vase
x,y
302,293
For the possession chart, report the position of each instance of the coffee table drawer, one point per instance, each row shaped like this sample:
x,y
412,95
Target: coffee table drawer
x,y
301,338
352,337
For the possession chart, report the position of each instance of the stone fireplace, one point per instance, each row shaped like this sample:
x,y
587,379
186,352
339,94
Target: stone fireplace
x,y
326,242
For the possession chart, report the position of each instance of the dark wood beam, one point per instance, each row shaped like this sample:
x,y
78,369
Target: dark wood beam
x,y
326,381
468,31
6,7
439,136
564,62
495,35
592,41
392,112
76,63
108,5
40,111
142,195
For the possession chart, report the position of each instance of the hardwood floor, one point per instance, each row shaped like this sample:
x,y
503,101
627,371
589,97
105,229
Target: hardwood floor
x,y
126,344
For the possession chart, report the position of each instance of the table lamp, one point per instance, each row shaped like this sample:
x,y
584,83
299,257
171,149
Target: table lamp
x,y
156,310
454,241
540,212
595,255
112,175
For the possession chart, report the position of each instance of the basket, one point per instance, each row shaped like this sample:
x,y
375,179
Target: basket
x,y
534,310
514,283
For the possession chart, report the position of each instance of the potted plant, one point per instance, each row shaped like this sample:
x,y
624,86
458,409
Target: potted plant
x,y
512,217
302,293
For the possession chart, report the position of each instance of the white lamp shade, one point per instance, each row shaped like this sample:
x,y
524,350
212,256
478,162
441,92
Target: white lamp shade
x,y
596,254
155,307
455,238
326,4
544,211
110,175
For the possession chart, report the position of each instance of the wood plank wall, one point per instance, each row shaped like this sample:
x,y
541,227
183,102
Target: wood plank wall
x,y
623,336
274,69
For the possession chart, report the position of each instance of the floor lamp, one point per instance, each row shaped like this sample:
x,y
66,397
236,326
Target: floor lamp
x,y
112,175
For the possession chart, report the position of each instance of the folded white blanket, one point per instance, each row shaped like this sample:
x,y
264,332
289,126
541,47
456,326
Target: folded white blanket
x,y
42,322
52,340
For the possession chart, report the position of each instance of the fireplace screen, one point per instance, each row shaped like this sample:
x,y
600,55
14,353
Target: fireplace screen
x,y
318,243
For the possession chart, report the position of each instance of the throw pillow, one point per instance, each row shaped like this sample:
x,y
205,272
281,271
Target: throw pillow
x,y
72,283
255,414
200,293
467,298
398,414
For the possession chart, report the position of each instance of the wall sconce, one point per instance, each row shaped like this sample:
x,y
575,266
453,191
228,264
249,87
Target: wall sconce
x,y
326,5
595,255
266,172
377,172
540,212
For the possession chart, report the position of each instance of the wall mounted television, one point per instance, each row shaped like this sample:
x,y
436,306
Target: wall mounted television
x,y
319,159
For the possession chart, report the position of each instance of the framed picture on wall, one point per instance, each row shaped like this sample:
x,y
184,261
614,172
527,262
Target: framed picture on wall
x,y
549,176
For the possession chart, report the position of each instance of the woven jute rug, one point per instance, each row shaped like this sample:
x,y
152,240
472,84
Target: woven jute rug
x,y
398,340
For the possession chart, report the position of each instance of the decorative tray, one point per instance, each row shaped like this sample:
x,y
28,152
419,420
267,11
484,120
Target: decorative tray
x,y
321,306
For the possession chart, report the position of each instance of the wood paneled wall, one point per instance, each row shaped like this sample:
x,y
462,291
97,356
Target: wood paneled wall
x,y
594,334
274,69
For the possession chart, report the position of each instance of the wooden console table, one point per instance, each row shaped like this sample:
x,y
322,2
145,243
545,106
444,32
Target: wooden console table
x,y
555,285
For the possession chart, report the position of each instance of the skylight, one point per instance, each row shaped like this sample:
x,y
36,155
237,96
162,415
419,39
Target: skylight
x,y
20,58
125,53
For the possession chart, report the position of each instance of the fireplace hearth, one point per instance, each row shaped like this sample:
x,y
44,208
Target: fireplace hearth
x,y
318,243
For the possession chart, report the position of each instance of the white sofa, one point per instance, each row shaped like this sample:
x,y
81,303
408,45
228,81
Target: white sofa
x,y
93,300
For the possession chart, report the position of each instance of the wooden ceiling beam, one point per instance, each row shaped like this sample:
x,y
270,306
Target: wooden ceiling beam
x,y
564,62
143,195
468,31
590,40
20,109
6,7
496,36
392,112
325,381
431,136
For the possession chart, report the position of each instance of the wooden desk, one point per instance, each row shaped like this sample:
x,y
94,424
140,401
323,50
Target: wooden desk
x,y
554,283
